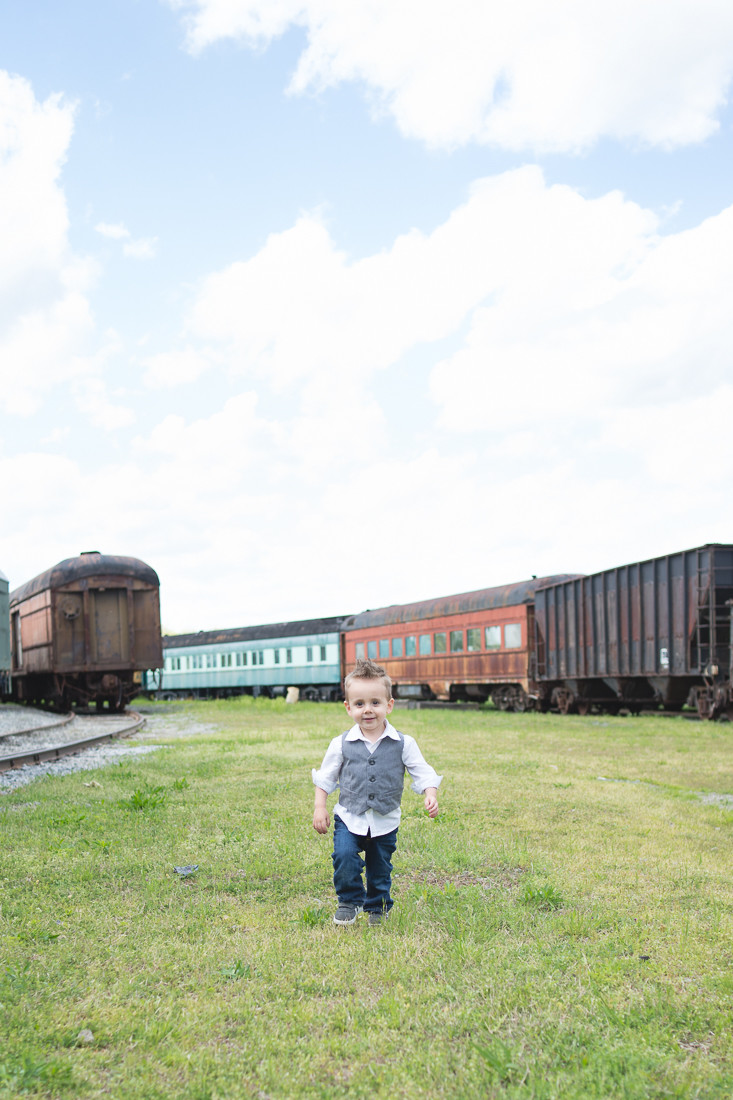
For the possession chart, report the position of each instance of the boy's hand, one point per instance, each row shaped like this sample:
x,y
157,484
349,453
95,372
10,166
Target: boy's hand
x,y
431,801
321,820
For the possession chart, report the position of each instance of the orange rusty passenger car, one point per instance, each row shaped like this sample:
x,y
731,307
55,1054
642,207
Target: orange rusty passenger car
x,y
84,630
471,646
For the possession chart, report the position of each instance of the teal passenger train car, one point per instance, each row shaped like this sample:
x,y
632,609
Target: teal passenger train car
x,y
4,637
253,660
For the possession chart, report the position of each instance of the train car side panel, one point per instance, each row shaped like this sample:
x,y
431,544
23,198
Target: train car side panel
x,y
469,646
655,634
255,660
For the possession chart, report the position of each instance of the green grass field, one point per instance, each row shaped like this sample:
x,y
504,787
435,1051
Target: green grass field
x,y
555,933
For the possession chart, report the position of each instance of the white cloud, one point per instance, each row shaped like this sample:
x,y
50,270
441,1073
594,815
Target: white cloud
x,y
514,73
116,232
592,314
93,400
144,248
45,317
174,368
34,138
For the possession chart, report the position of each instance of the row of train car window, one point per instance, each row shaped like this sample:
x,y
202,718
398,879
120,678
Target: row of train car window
x,y
241,659
444,641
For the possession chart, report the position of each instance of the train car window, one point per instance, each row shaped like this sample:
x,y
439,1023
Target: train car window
x,y
276,655
397,647
383,648
372,650
513,635
410,645
309,654
493,637
439,642
288,656
210,660
262,656
323,653
228,658
359,651
456,641
473,639
425,646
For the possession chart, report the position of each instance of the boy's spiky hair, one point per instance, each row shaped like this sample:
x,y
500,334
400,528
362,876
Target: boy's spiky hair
x,y
365,669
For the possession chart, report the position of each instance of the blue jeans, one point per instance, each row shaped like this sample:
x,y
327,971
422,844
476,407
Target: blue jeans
x,y
348,866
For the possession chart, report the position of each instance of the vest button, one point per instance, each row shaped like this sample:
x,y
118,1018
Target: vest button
x,y
372,779
371,796
372,761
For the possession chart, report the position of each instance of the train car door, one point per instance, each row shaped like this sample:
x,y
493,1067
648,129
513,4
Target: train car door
x,y
110,635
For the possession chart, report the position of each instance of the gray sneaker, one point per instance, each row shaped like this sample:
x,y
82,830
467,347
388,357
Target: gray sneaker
x,y
376,919
346,914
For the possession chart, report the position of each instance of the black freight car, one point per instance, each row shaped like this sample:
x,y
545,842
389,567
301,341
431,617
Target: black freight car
x,y
656,633
84,630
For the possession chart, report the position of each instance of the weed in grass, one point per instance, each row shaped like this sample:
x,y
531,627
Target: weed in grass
x,y
235,971
313,915
541,897
145,798
501,1059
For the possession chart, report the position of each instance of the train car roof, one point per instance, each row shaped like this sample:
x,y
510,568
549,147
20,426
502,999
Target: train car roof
x,y
89,564
506,595
726,547
252,633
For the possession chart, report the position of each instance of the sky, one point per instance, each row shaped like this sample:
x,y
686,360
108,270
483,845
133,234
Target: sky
x,y
318,307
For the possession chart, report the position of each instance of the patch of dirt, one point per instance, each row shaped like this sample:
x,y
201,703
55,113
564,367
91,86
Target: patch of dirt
x,y
493,878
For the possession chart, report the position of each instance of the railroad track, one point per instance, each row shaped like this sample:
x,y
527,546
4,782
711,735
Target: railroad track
x,y
40,744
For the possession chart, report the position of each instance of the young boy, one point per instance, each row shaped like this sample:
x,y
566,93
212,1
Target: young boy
x,y
368,764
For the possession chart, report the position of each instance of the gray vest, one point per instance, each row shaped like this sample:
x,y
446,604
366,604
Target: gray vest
x,y
372,780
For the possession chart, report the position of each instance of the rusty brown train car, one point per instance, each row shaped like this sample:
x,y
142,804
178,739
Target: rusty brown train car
x,y
83,631
655,633
466,647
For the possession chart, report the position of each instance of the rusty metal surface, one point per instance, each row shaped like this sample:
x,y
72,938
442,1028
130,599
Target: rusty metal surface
x,y
84,566
4,627
81,629
299,629
506,595
660,618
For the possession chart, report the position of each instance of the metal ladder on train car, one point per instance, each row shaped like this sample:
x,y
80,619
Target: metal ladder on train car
x,y
711,622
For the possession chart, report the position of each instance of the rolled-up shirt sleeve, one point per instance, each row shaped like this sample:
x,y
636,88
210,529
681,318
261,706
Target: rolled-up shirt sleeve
x,y
420,772
327,776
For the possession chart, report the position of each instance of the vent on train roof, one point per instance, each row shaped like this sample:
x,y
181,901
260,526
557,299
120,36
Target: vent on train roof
x,y
85,553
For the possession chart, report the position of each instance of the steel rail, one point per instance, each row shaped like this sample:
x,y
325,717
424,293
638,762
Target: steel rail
x,y
63,721
56,752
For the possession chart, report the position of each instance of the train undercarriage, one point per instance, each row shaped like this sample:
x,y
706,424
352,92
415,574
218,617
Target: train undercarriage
x,y
109,690
711,698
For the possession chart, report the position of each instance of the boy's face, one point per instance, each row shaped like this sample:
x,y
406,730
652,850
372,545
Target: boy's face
x,y
368,705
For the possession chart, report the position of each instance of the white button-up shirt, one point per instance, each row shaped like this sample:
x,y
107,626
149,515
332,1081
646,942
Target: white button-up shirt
x,y
327,778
